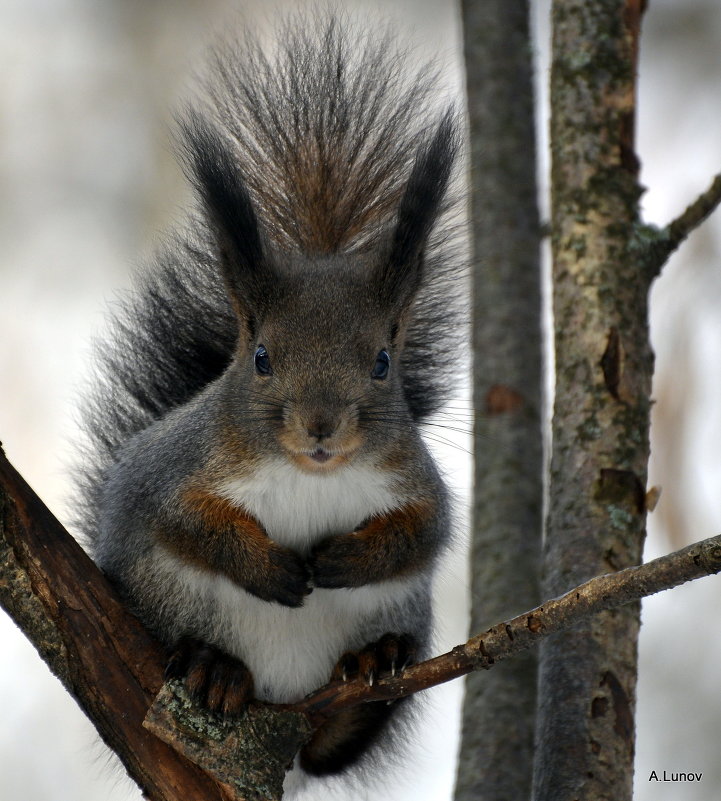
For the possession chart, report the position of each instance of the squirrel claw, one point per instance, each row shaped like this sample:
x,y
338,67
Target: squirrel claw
x,y
377,658
216,679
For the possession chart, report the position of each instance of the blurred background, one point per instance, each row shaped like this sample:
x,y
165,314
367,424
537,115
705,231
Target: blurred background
x,y
88,182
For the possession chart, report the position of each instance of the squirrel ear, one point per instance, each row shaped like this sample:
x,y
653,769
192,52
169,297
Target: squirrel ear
x,y
418,211
229,208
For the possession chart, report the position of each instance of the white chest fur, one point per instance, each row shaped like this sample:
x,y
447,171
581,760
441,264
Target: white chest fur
x,y
297,509
292,651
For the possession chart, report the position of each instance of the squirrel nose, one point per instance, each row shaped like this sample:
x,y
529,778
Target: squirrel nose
x,y
320,429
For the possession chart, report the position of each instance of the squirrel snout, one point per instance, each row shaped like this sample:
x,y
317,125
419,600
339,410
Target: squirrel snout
x,y
320,437
321,428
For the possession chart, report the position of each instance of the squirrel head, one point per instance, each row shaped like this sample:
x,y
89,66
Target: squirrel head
x,y
316,373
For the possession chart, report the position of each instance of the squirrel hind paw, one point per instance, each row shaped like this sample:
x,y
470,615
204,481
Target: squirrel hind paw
x,y
387,656
220,682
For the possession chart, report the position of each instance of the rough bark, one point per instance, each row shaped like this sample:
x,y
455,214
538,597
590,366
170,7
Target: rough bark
x,y
499,709
604,364
251,754
101,653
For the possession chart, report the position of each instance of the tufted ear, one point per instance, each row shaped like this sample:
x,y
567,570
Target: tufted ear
x,y
401,271
215,174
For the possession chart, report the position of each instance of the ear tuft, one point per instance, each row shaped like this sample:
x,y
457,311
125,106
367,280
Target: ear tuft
x,y
420,206
217,179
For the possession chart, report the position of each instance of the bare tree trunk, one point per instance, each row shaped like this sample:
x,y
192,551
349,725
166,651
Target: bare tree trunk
x,y
604,365
498,718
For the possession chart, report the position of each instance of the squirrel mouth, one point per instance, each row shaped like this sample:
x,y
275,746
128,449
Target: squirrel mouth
x,y
316,459
320,455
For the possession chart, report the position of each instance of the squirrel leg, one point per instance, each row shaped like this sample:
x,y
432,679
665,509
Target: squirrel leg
x,y
219,681
340,741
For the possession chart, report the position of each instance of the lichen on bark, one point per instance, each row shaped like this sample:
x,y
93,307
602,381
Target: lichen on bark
x,y
250,753
604,365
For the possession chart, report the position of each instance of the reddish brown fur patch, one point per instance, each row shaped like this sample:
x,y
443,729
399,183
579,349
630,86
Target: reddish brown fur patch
x,y
389,546
394,538
222,538
217,511
339,204
225,528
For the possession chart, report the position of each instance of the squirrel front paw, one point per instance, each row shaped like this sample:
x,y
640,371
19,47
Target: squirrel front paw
x,y
284,579
340,561
390,654
218,681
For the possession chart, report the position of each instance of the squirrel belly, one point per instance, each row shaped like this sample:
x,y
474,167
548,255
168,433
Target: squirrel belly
x,y
290,652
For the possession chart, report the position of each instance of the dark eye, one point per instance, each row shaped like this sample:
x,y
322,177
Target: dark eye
x,y
382,366
262,361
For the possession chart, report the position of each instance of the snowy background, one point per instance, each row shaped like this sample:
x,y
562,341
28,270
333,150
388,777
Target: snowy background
x,y
88,181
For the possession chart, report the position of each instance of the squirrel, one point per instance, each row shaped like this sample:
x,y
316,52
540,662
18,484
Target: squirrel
x,y
260,490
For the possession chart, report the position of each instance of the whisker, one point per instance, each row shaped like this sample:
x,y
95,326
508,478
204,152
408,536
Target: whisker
x,y
445,442
458,429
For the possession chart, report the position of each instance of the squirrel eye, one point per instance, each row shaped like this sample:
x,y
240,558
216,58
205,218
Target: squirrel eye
x,y
262,361
382,365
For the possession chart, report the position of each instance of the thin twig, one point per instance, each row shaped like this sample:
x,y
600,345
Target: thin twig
x,y
510,637
695,214
664,242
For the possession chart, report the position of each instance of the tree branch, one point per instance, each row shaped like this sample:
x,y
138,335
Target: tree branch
x,y
113,667
495,759
658,244
603,367
510,637
695,214
173,714
81,629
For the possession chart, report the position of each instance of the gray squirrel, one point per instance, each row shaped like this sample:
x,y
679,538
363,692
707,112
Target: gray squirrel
x,y
260,491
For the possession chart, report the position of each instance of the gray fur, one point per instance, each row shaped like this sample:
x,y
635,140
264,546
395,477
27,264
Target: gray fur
x,y
322,233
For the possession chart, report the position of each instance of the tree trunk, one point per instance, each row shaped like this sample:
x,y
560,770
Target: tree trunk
x,y
604,363
498,717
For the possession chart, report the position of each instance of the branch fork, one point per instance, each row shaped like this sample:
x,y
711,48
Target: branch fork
x,y
113,667
279,730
